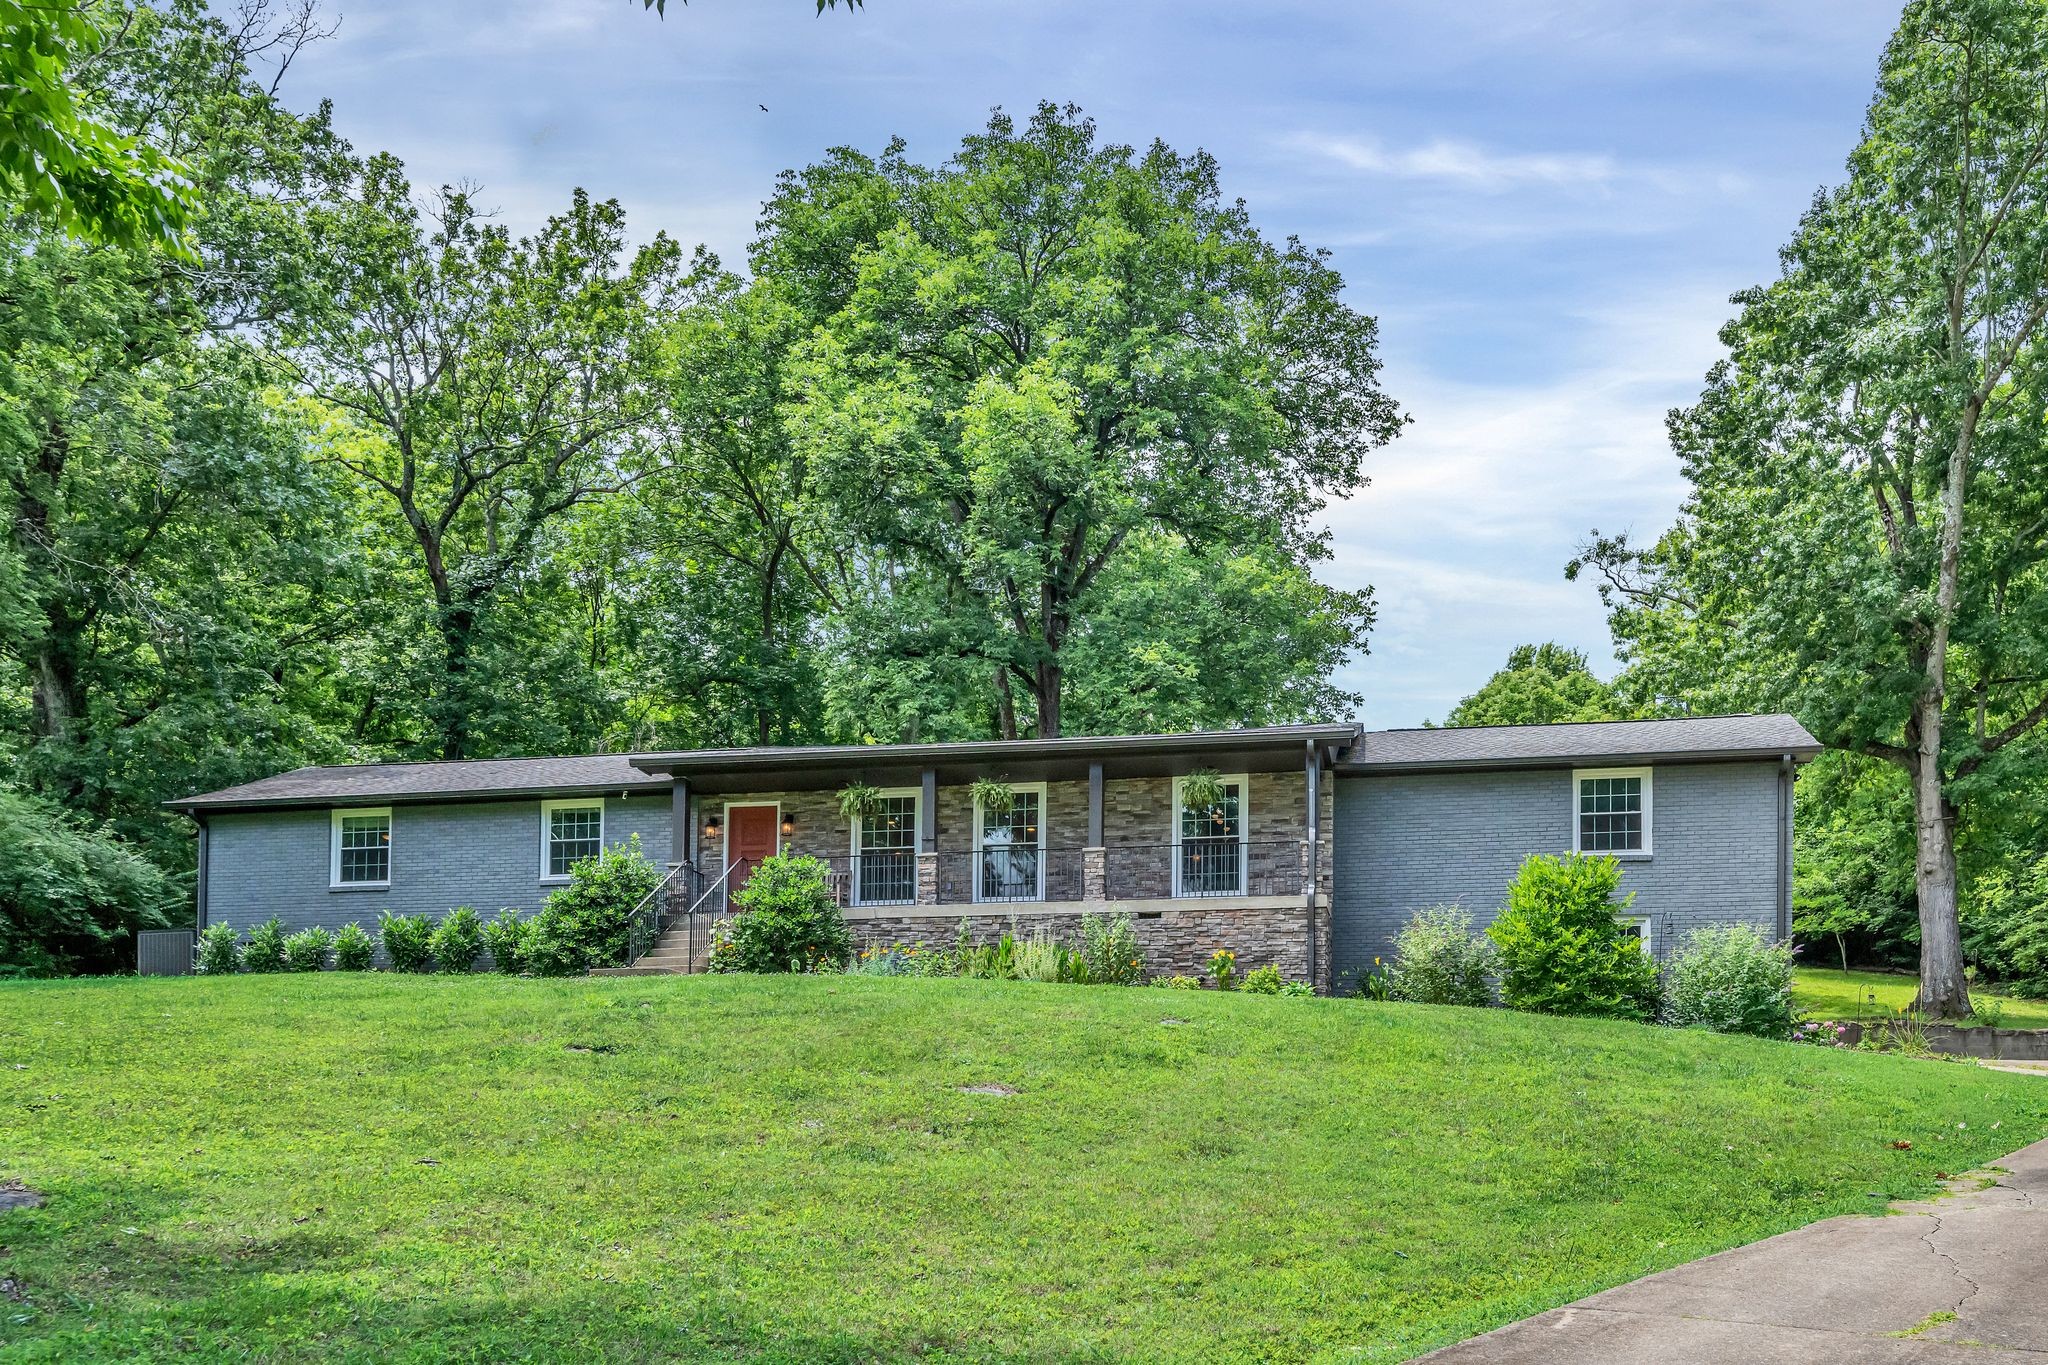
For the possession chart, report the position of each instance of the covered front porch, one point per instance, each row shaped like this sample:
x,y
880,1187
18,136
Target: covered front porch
x,y
1033,831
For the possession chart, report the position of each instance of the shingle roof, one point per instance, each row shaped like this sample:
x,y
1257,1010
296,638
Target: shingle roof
x,y
375,782
1504,746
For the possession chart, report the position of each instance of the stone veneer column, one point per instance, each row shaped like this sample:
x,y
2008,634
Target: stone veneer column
x,y
1094,874
927,879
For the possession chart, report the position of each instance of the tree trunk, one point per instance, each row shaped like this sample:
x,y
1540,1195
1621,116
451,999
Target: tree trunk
x,y
452,712
1048,691
1006,706
1944,990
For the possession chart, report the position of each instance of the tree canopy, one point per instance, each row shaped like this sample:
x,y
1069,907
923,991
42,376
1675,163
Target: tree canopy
x,y
1541,685
1864,540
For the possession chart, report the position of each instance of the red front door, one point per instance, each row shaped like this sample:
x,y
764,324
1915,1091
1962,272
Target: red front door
x,y
750,837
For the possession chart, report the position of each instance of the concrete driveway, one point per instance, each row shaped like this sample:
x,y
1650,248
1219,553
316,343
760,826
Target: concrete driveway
x,y
1959,1279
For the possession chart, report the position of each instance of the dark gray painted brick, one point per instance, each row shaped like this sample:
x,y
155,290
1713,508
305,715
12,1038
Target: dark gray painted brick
x,y
1411,840
481,854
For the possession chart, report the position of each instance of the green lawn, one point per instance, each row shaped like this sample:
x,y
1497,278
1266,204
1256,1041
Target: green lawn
x,y
1824,994
373,1167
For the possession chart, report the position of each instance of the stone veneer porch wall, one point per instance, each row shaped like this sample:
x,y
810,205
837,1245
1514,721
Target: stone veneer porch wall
x,y
1137,813
1176,942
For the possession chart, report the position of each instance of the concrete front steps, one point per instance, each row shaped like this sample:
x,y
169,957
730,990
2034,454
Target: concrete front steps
x,y
670,955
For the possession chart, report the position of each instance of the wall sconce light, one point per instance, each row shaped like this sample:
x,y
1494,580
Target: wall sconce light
x,y
788,825
711,827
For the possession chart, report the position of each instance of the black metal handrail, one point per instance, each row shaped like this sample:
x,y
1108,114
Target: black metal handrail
x,y
1204,868
648,918
1005,874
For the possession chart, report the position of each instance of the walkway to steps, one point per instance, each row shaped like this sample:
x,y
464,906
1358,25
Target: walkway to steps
x,y
1961,1280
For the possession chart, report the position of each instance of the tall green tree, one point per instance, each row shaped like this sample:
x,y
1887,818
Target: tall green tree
x,y
1031,358
484,388
66,163
1541,685
1864,541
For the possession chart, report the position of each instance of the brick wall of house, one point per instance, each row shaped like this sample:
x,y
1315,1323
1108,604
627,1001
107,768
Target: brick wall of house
x,y
1413,840
483,854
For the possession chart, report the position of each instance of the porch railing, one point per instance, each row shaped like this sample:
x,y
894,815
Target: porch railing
x,y
1203,868
998,876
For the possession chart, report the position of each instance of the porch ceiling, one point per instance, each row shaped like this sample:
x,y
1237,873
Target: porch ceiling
x,y
1277,748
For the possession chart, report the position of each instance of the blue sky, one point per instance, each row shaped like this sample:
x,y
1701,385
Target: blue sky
x,y
1545,204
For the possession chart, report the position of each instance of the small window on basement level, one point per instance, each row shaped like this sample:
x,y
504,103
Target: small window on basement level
x,y
570,831
360,850
1611,811
1636,927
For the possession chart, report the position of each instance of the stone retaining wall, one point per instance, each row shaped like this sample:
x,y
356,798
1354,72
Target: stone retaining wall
x,y
1176,942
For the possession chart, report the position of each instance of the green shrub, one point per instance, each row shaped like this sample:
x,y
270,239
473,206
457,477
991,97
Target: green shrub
x,y
220,954
1110,954
1731,979
1041,957
1438,960
992,961
265,950
588,922
457,941
1261,981
72,894
306,951
1297,990
353,948
408,941
1561,950
505,938
785,920
1179,983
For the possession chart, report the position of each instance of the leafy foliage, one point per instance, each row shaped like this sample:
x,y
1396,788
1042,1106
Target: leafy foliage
x,y
1110,954
1731,979
1860,545
265,950
220,950
1438,960
1561,950
71,897
408,941
505,939
1543,684
306,951
353,948
65,165
457,940
785,920
588,922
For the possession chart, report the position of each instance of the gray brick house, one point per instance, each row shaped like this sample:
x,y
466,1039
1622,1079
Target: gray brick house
x,y
1326,839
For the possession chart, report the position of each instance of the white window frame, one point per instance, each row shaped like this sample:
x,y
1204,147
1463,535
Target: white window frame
x,y
1580,776
1244,832
547,810
1645,924
980,832
916,795
335,817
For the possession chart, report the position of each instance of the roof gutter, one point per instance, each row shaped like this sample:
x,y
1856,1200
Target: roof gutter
x,y
1349,766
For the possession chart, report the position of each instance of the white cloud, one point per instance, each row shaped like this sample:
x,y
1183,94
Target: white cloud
x,y
1472,513
1462,164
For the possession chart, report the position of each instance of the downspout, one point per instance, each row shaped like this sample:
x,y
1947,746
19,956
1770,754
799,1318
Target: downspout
x,y
199,881
1784,847
1313,777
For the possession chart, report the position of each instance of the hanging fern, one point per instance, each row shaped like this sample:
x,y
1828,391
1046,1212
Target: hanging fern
x,y
994,795
1201,789
858,800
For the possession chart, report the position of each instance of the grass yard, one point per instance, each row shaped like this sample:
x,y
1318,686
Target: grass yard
x,y
1825,994
787,1169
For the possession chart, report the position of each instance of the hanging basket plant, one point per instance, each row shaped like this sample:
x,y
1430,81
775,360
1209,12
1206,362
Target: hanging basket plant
x,y
993,795
858,800
1201,789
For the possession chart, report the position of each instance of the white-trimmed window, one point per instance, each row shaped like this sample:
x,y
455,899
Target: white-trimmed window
x,y
885,850
359,850
570,831
1611,811
1009,861
1636,927
1210,846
